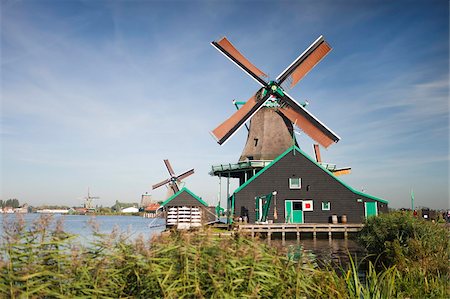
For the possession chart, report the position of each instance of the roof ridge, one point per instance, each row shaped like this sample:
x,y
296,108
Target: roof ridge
x,y
294,148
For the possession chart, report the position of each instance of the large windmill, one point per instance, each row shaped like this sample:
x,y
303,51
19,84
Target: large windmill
x,y
174,181
271,110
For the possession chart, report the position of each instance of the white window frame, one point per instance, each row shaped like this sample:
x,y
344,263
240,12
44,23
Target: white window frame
x,y
323,206
295,187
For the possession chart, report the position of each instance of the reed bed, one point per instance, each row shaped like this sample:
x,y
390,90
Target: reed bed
x,y
42,261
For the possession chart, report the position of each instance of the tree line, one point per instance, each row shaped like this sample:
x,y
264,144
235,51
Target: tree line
x,y
12,202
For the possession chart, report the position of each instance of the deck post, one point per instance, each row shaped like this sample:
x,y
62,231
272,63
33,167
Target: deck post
x,y
283,237
345,233
269,235
329,234
298,235
253,232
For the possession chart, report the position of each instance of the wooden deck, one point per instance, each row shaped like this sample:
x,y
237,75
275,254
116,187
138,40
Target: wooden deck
x,y
298,229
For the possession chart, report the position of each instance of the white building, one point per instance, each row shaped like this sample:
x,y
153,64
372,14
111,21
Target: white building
x,y
130,210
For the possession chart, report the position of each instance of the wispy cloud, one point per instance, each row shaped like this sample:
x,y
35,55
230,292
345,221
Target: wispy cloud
x,y
99,94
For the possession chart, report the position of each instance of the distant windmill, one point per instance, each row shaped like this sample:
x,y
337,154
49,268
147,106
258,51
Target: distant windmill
x,y
173,183
88,201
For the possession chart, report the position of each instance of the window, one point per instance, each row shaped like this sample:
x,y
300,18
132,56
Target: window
x,y
295,183
297,205
325,205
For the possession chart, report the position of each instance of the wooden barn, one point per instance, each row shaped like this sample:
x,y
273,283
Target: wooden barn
x,y
294,188
185,210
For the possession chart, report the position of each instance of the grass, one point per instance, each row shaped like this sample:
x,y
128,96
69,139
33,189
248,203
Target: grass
x,y
44,261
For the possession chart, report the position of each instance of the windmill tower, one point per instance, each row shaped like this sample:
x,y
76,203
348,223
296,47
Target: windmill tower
x,y
88,201
271,110
174,181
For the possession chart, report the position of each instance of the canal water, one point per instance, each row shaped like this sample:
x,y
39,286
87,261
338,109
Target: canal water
x,y
334,252
82,225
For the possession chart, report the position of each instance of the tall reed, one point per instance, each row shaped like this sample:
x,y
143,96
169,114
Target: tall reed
x,y
42,261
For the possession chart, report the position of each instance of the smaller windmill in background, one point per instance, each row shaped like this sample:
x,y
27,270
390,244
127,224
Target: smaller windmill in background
x,y
174,181
88,202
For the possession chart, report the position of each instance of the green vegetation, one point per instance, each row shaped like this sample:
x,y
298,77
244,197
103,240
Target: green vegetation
x,y
12,203
407,242
118,206
418,250
44,261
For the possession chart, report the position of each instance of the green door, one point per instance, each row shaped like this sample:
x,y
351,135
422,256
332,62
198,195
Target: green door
x,y
293,210
370,209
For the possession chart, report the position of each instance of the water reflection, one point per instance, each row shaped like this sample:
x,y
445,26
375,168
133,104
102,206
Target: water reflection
x,y
324,252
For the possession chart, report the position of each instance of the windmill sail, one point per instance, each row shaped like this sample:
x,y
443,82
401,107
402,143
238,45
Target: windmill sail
x,y
174,180
225,130
305,62
308,122
226,48
283,103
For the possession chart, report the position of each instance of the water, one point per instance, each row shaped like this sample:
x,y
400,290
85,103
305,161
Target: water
x,y
80,225
334,252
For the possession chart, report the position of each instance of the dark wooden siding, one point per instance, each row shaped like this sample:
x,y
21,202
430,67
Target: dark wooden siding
x,y
184,199
322,187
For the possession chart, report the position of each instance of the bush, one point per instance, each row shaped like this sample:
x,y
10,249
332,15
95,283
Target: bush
x,y
401,240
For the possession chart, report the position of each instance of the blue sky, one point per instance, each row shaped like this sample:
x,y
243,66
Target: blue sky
x,y
97,93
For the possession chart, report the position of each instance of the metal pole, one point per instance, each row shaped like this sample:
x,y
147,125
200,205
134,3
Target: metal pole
x,y
228,199
219,195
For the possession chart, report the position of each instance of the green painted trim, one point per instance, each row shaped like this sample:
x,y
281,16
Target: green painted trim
x,y
188,192
296,149
231,211
263,170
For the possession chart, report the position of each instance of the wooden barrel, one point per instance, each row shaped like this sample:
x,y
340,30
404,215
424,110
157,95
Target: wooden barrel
x,y
334,219
344,219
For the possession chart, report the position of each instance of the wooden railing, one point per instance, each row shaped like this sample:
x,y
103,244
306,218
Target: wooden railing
x,y
314,228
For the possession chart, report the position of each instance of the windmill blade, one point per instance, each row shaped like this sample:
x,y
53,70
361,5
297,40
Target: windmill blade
x,y
185,174
308,122
342,171
317,153
169,167
226,48
161,184
230,126
174,187
305,62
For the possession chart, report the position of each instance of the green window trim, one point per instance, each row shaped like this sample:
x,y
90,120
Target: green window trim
x,y
326,206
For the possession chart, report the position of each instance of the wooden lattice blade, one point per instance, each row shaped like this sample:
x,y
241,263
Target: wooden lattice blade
x,y
174,187
225,130
169,167
308,123
160,184
305,62
226,48
317,153
185,174
342,171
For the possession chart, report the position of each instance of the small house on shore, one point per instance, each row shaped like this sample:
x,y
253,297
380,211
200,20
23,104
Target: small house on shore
x,y
185,210
294,188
